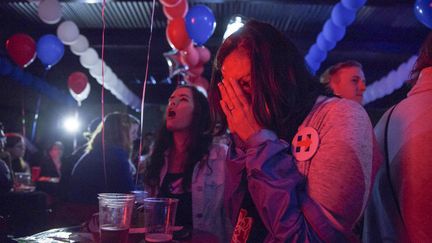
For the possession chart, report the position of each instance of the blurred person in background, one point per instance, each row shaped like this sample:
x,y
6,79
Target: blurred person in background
x,y
50,171
105,169
6,177
70,160
345,80
186,165
51,165
400,209
16,147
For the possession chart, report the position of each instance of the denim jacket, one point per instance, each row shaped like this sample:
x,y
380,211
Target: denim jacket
x,y
208,182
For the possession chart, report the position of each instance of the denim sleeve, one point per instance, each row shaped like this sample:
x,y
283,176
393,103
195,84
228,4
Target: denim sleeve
x,y
278,191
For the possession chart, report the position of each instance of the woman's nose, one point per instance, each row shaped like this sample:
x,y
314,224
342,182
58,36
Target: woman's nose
x,y
172,103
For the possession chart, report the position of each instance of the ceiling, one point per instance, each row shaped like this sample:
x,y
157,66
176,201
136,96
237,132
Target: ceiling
x,y
384,34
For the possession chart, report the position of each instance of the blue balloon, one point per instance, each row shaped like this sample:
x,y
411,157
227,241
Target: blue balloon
x,y
333,32
325,44
423,12
353,4
49,50
317,54
342,16
312,65
200,23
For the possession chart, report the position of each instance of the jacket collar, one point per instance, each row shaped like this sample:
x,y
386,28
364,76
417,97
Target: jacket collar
x,y
424,82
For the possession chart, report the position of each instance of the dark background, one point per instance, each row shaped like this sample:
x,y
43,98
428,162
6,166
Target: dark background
x,y
384,35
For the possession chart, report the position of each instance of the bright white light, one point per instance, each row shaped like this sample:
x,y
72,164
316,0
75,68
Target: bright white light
x,y
234,25
71,124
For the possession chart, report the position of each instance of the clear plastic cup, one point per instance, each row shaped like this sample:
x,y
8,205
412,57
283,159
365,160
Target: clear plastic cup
x,y
23,182
115,211
159,216
137,221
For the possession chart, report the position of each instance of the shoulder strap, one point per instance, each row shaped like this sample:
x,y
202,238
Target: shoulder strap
x,y
387,162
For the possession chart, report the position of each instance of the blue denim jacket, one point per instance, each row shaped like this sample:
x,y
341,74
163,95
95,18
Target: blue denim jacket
x,y
208,183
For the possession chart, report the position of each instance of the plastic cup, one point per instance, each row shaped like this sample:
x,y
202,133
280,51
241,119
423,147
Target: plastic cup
x,y
115,211
23,182
137,221
159,216
35,173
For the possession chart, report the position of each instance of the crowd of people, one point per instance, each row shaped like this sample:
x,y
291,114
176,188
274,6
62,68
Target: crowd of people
x,y
272,155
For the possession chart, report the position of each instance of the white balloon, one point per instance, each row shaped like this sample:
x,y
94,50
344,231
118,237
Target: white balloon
x,y
80,45
109,77
89,58
68,32
136,103
96,69
49,11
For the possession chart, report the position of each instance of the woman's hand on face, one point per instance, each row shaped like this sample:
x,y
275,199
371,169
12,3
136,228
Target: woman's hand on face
x,y
238,110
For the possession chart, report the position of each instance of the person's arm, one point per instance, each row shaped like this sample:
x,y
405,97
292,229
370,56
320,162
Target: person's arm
x,y
328,207
5,178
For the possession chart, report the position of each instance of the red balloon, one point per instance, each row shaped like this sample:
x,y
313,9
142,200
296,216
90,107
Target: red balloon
x,y
204,54
196,71
22,49
190,56
77,82
203,82
169,3
178,11
177,35
190,78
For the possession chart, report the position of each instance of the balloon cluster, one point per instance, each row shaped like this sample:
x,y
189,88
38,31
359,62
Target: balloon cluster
x,y
68,33
423,12
22,49
187,31
343,14
26,79
391,82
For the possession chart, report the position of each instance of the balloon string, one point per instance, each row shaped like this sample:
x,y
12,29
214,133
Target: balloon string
x,y
102,94
23,120
38,104
144,89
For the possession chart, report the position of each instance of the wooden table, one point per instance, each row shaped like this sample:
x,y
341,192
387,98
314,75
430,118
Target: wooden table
x,y
80,234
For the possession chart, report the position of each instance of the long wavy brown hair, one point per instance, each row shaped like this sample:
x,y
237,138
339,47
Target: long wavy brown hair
x,y
424,59
116,131
283,90
199,143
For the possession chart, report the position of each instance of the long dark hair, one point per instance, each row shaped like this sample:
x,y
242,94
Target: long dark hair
x,y
116,131
280,81
424,59
199,143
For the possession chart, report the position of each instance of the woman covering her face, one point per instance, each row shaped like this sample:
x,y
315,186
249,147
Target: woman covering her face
x,y
186,165
300,165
